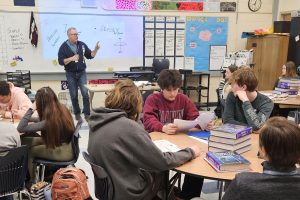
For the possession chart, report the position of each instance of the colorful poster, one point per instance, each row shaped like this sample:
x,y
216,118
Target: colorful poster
x,y
191,6
163,5
201,33
133,4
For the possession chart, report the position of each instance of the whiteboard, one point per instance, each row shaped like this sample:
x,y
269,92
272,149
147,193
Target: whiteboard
x,y
216,56
121,39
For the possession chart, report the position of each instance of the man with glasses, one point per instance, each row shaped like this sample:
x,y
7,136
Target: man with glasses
x,y
71,55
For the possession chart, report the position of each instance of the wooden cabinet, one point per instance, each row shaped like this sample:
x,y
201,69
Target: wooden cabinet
x,y
269,54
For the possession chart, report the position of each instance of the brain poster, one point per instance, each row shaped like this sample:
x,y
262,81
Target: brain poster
x,y
201,33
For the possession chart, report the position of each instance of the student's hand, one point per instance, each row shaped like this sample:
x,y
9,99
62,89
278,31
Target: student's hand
x,y
196,150
210,125
242,95
33,107
97,46
15,114
169,128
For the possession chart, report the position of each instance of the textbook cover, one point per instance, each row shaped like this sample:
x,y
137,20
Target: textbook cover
x,y
227,161
231,131
200,134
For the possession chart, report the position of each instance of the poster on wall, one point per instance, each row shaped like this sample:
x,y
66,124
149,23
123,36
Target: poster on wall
x,y
133,4
201,33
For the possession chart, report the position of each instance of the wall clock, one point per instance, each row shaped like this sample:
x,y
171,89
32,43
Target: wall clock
x,y
254,5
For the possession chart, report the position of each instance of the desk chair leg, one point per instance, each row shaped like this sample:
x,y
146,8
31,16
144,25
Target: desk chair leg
x,y
167,185
220,190
172,183
37,172
26,193
43,173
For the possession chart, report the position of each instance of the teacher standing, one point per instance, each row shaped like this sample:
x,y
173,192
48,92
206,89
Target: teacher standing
x,y
71,55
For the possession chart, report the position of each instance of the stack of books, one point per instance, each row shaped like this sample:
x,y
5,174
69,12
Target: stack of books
x,y
227,162
287,86
230,137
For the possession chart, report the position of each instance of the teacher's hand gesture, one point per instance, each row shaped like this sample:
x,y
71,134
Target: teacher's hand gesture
x,y
97,46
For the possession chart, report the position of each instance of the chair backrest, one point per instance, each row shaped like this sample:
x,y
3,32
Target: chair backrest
x,y
220,106
13,170
103,185
75,141
159,65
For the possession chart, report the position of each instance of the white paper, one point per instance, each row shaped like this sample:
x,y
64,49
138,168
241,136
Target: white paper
x,y
204,118
166,146
184,125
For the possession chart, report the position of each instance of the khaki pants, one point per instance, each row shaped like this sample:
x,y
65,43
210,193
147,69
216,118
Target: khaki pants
x,y
37,148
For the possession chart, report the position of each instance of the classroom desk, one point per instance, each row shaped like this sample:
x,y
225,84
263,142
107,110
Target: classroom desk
x,y
199,167
290,102
92,88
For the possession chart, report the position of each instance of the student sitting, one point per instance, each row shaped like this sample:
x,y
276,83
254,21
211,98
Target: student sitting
x,y
124,149
56,126
9,138
279,142
244,105
224,85
162,108
13,101
288,71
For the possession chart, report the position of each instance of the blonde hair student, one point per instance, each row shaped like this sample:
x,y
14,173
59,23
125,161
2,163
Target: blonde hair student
x,y
279,143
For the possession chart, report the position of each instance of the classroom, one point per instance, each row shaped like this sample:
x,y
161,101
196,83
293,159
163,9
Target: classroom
x,y
203,40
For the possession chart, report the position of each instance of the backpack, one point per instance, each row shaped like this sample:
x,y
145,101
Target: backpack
x,y
70,183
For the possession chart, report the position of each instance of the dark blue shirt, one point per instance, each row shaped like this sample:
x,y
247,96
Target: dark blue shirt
x,y
65,51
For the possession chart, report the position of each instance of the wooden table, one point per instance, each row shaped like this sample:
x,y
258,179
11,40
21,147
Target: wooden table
x,y
92,88
290,102
199,167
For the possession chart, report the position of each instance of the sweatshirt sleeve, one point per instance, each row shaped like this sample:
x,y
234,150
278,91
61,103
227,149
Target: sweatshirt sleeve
x,y
228,115
190,109
144,153
21,103
25,127
151,115
257,117
233,191
61,55
87,51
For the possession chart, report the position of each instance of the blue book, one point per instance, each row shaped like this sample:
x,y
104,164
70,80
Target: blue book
x,y
200,134
227,161
231,131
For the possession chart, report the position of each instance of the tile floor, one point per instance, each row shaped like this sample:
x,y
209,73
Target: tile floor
x,y
209,190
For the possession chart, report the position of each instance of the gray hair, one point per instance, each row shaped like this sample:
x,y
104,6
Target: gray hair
x,y
69,29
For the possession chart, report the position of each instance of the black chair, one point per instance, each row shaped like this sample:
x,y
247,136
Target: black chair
x,y
159,65
13,170
103,185
220,105
40,162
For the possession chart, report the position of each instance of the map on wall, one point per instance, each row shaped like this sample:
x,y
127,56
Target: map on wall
x,y
201,33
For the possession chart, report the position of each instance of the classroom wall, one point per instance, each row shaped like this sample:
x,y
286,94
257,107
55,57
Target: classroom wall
x,y
240,21
287,6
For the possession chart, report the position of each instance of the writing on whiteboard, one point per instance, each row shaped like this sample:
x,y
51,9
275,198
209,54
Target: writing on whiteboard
x,y
16,38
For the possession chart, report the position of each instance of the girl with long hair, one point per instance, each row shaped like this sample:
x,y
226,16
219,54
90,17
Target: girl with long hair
x,y
55,124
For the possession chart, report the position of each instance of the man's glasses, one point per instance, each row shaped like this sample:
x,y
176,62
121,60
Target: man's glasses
x,y
76,34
